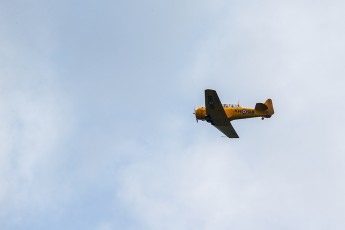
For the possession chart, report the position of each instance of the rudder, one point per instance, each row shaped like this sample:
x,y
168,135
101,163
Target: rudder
x,y
269,105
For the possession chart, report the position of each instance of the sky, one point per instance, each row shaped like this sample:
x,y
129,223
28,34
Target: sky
x,y
96,114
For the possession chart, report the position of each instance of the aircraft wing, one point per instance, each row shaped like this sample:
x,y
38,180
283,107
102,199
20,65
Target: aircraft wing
x,y
228,130
216,114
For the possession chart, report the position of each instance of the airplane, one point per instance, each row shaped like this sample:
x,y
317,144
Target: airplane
x,y
220,115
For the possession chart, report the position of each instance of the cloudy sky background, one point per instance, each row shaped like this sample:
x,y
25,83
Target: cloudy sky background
x,y
96,123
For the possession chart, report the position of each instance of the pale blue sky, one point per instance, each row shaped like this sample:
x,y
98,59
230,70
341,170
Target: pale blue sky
x,y
96,123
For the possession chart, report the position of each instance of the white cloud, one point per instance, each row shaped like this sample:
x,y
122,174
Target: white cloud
x,y
35,118
271,46
225,184
32,125
203,187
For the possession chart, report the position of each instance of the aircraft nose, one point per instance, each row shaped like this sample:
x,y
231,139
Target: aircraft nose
x,y
200,113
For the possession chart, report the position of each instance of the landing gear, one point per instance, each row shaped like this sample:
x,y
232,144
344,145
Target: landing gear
x,y
262,118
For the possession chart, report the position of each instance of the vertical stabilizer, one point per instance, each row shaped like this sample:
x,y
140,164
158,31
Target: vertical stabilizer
x,y
269,104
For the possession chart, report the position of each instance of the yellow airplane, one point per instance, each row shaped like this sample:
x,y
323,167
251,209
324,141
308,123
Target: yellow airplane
x,y
220,115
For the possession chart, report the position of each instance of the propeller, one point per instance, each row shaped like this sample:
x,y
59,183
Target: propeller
x,y
195,116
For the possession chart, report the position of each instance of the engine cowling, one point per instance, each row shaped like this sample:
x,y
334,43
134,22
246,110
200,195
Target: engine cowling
x,y
200,113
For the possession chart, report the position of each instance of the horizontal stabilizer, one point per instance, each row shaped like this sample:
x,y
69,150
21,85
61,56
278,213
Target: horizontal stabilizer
x,y
261,106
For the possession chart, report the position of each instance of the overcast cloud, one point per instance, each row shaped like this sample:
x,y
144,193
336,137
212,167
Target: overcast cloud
x,y
96,123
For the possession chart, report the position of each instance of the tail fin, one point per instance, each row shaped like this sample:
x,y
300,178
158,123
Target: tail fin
x,y
269,104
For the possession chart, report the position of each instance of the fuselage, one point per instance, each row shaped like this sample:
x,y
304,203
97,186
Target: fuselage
x,y
234,113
